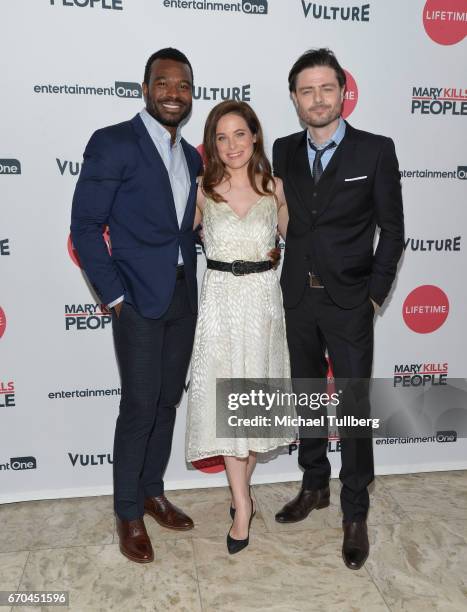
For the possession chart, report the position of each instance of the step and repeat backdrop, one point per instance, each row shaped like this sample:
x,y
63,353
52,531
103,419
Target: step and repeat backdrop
x,y
72,66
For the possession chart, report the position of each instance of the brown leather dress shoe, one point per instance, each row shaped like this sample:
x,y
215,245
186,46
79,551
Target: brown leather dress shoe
x,y
166,514
356,547
134,541
301,506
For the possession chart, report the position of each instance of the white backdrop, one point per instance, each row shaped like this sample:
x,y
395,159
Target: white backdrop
x,y
55,443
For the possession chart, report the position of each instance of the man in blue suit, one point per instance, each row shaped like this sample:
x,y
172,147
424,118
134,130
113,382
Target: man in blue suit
x,y
139,178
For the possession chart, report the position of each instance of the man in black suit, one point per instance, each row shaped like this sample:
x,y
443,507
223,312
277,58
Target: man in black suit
x,y
340,183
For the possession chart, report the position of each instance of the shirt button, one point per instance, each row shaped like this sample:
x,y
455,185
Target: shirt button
x,y
315,193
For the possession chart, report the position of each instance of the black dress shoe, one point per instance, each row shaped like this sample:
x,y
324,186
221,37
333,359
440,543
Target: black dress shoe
x,y
301,506
235,546
356,547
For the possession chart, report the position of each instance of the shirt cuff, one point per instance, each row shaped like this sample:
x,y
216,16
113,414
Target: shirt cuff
x,y
115,302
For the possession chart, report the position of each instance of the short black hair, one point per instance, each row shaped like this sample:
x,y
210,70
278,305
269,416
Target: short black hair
x,y
316,57
167,53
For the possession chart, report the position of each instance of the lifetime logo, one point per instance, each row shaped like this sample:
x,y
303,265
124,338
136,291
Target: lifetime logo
x,y
10,166
84,317
2,322
19,463
7,394
445,21
420,374
425,309
113,5
250,7
4,247
335,13
439,101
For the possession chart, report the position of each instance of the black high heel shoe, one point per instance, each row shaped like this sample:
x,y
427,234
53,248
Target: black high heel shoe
x,y
235,546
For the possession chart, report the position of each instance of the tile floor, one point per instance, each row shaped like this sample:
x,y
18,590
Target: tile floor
x,y
418,558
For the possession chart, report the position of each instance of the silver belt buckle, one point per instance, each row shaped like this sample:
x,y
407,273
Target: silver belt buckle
x,y
235,263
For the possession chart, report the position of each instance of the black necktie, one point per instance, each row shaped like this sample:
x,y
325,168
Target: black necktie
x,y
317,165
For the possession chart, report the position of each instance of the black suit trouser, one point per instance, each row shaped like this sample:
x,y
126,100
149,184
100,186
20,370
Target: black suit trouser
x,y
315,324
153,357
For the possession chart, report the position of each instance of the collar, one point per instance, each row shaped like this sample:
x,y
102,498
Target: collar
x,y
156,130
336,137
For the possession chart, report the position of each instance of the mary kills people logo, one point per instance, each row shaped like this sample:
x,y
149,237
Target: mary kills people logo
x,y
7,394
84,317
439,101
420,374
445,21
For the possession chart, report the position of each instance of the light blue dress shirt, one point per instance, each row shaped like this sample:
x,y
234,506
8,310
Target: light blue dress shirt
x,y
326,158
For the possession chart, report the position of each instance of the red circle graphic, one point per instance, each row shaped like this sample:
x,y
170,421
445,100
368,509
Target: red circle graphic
x,y
425,309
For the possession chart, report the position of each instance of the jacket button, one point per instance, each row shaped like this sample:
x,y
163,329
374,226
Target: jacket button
x,y
313,212
315,193
306,257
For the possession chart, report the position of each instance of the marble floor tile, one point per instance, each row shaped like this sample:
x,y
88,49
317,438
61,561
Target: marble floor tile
x,y
283,571
409,570
431,495
209,509
451,541
384,509
11,569
99,578
56,523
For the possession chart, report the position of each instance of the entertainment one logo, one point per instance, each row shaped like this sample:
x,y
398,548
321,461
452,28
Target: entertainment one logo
x,y
112,5
80,393
445,21
19,463
89,460
424,245
83,317
242,93
315,10
425,309
121,89
7,394
420,374
10,166
439,101
441,437
250,7
72,252
460,173
4,247
68,167
2,322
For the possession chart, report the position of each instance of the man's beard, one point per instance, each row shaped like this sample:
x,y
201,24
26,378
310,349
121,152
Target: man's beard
x,y
334,114
153,110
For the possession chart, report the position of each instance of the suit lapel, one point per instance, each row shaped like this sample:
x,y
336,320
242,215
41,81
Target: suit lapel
x,y
336,168
152,157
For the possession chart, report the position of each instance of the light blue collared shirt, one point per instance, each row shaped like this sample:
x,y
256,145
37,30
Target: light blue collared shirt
x,y
326,158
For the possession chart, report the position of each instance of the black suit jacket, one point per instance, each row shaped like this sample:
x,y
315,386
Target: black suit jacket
x,y
332,226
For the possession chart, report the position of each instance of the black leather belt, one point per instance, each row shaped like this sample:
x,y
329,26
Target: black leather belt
x,y
180,272
240,267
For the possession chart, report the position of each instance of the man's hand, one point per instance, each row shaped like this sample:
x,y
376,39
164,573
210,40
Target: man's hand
x,y
275,256
118,308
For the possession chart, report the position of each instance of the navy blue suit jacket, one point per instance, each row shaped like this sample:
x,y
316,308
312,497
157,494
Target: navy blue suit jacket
x,y
124,184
